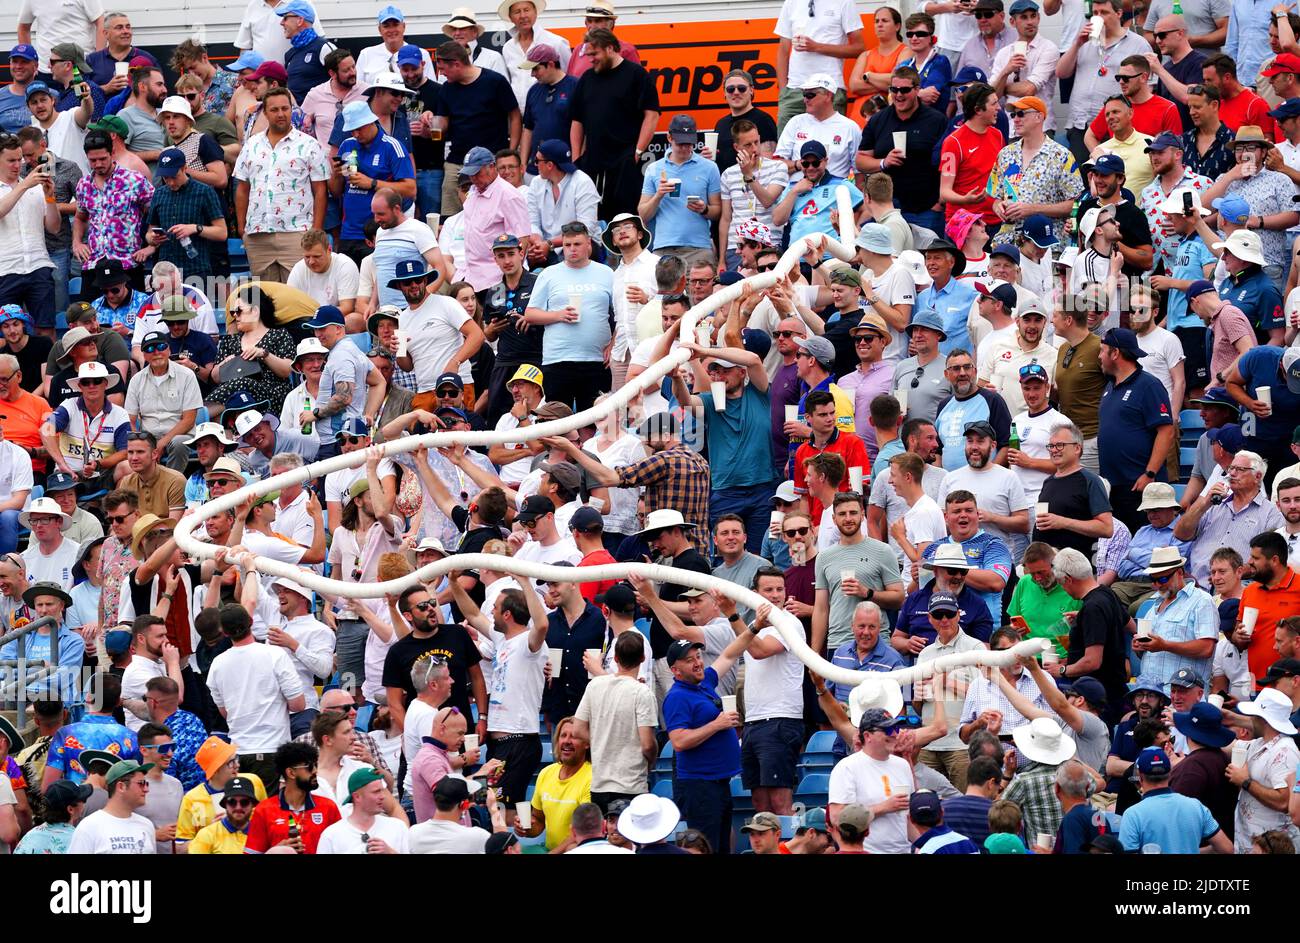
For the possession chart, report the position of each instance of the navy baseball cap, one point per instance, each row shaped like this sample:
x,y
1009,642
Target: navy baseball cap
x,y
680,649
38,88
1124,340
1198,288
1288,109
1039,230
1214,396
1005,293
408,270
1034,371
757,342
875,718
1090,689
1228,615
925,807
171,162
1186,678
585,519
1228,437
813,149
1153,761
970,74
535,506
409,55
1007,252
981,428
1163,141
355,426
476,160
620,597
683,130
117,641
24,51
454,411
505,241
1108,164
325,316
451,378
558,153
943,602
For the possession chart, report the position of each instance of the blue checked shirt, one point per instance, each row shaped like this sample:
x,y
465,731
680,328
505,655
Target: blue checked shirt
x,y
1147,539
881,658
982,695
1190,616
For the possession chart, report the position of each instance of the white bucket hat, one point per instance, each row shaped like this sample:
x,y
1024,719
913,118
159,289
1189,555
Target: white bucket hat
x,y
44,506
875,692
431,543
1273,707
950,556
390,81
94,370
649,818
1176,203
286,583
663,518
1043,741
309,345
245,422
1244,244
204,429
1158,496
177,106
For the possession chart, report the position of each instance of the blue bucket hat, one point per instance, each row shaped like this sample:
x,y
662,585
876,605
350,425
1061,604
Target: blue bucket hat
x,y
1204,724
408,270
357,115
928,318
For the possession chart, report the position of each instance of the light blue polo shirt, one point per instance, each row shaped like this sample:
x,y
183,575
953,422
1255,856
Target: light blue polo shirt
x,y
953,303
674,224
345,363
1178,824
1190,260
585,340
812,210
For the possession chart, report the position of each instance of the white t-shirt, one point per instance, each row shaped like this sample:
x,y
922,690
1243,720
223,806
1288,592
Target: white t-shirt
x,y
562,549
66,138
894,286
15,469
514,472
418,724
138,674
56,568
434,332
337,283
620,516
102,833
828,535
773,686
338,482
344,838
924,521
436,837
830,23
315,655
858,779
839,135
253,684
515,691
1164,351
996,489
988,341
1035,432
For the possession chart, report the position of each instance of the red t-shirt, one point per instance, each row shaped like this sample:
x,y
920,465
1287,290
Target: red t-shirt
x,y
1154,115
270,823
970,157
596,558
847,446
1247,108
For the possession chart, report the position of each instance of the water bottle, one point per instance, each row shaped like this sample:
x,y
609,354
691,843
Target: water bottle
x,y
190,251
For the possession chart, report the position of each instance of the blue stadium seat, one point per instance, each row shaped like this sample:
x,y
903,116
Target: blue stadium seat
x,y
74,287
1190,419
663,788
816,762
823,741
548,755
61,319
201,416
362,341
1179,489
1187,457
665,760
814,788
741,798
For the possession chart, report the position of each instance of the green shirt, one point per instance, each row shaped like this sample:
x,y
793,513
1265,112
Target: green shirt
x,y
1043,611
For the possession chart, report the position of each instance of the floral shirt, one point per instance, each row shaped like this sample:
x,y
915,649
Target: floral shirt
x,y
1051,177
219,93
1215,162
280,181
115,562
114,213
1163,238
296,117
1268,192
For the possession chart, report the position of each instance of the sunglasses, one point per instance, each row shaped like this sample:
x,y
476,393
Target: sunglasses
x,y
810,162
1128,78
866,339
116,518
155,348
943,615
1168,32
191,96
1017,114
916,380
918,34
781,334
351,439
237,803
529,524
809,95
449,392
1162,579
736,89
767,268
797,532
100,381
902,89
984,14
422,606
164,749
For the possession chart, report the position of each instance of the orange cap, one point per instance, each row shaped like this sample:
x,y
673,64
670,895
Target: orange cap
x,y
213,754
1029,101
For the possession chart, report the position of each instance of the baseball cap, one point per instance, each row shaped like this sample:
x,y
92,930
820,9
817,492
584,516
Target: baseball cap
x,y
1214,396
1034,371
822,350
925,807
360,779
64,792
1090,689
1153,761
969,74
476,160
1282,668
1108,164
451,789
1284,63
117,641
558,153
1007,251
820,81
813,149
38,88
1022,6
1228,437
325,316
1232,208
680,649
1122,339
1029,102
980,428
409,55
1291,368
123,769
390,12
271,69
537,54
24,51
1039,230
247,60
564,473
1288,109
854,818
682,130
1000,291
1198,287
1163,141
620,598
585,518
355,426
535,506
943,602
762,822
239,786
813,820
1185,678
449,379
171,162
875,718
296,8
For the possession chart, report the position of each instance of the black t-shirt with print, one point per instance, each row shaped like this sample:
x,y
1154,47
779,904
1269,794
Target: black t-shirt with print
x,y
455,646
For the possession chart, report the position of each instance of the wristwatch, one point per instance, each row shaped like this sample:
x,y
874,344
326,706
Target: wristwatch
x,y
734,617
198,229
1152,474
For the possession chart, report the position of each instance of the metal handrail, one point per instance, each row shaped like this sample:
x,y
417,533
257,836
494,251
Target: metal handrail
x,y
20,663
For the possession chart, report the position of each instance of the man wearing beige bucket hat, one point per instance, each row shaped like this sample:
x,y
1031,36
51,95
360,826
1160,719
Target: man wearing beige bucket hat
x,y
1129,579
1181,629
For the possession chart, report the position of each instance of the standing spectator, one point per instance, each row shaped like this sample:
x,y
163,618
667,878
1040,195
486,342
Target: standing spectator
x,y
878,780
280,183
382,57
1167,820
476,109
111,206
442,338
465,31
599,15
1185,621
28,213
1096,647
1239,107
217,86
386,161
1017,75
875,577
65,131
1200,773
261,32
1078,508
525,36
48,25
993,35
14,115
738,92
614,113
497,207
148,92
117,49
814,41
916,179
933,65
1152,115
683,193
402,238
185,217
66,174
1004,510
323,103
118,828
304,60
1183,66
1036,173
924,375
634,285
427,153
548,100
948,296
750,187
819,121
1207,143
1268,196
1266,780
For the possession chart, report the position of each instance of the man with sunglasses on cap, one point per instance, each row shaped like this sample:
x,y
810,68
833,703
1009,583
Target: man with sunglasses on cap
x,y
876,779
164,400
808,202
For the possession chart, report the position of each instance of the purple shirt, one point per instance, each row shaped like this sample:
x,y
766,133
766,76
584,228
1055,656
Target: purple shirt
x,y
864,387
783,391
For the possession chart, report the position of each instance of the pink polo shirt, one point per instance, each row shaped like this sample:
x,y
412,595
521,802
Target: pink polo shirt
x,y
488,213
320,107
430,766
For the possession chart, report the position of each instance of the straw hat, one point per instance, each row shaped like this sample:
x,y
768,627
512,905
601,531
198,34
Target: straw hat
x,y
1165,558
145,524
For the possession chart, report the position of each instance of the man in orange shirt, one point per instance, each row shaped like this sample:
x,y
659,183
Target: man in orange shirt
x,y
1274,594
21,413
820,409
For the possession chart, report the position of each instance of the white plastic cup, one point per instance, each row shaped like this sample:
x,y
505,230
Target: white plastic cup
x,y
1239,753
900,141
728,702
471,742
575,301
792,413
1040,509
524,814
1265,395
122,68
597,503
1144,628
594,653
900,394
719,390
855,478
778,518
1050,658
433,219
847,574
1097,30
1249,616
402,341
1020,48
711,141
1046,841
704,334
556,657
1216,700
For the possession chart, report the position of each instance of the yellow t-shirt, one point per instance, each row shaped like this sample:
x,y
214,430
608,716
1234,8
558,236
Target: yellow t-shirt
x,y
557,798
198,810
216,839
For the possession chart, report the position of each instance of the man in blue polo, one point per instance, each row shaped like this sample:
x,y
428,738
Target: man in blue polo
x,y
1249,288
868,650
378,158
703,736
988,559
807,203
1136,425
1175,824
947,295
682,193
1268,429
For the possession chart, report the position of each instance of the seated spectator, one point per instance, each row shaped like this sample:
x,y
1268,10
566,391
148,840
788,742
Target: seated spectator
x,y
329,277
100,450
559,194
1242,512
164,400
1039,602
28,348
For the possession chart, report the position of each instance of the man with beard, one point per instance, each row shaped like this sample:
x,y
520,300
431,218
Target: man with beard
x,y
227,835
1003,508
1274,592
875,576
295,817
1287,492
968,405
1148,700
1184,623
1108,177
322,103
148,92
1002,366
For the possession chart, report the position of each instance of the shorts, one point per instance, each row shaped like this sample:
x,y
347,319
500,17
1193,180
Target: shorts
x,y
769,753
522,754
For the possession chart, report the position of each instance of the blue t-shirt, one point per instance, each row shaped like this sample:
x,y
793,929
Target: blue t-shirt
x,y
547,113
1261,366
674,223
955,415
345,363
1254,294
1178,824
812,211
690,706
983,552
1190,260
585,340
739,441
1131,415
953,304
14,115
385,159
1080,826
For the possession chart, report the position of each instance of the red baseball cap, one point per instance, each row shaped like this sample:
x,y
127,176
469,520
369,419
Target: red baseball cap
x,y
1285,62
271,70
